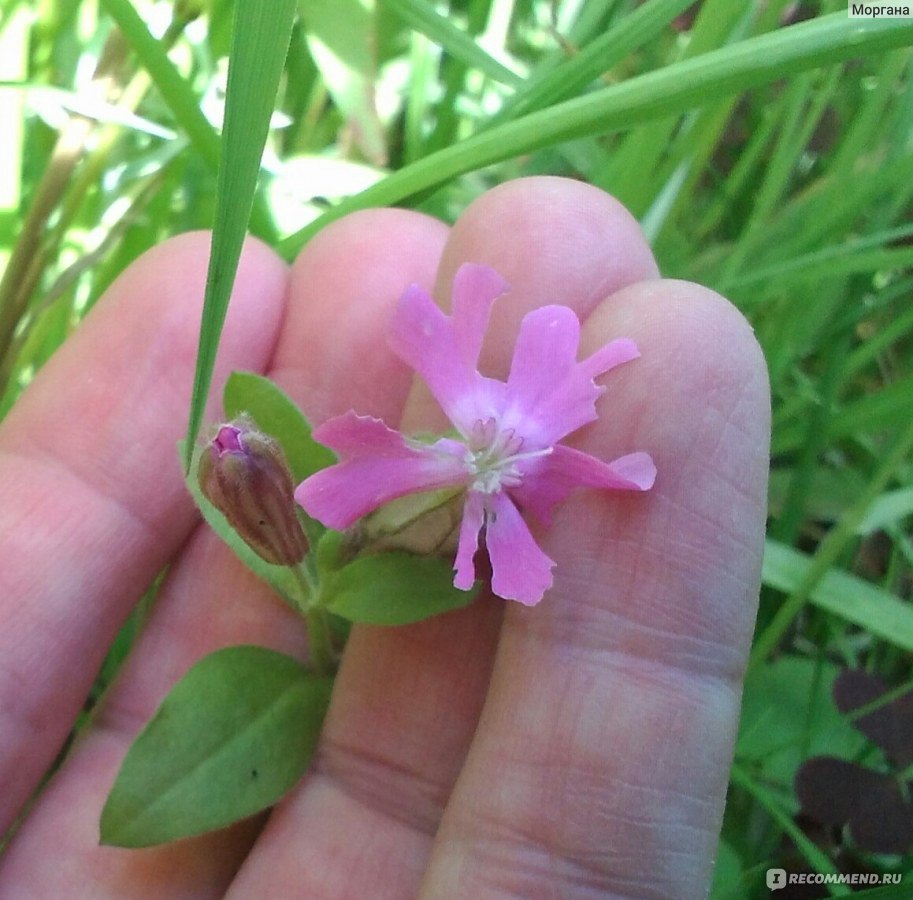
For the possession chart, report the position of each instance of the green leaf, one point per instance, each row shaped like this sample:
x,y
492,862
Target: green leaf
x,y
259,44
888,509
272,409
788,714
232,736
643,24
280,578
388,588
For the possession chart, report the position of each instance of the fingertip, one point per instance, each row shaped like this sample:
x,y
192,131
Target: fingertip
x,y
169,282
344,286
698,402
173,273
642,640
555,240
691,339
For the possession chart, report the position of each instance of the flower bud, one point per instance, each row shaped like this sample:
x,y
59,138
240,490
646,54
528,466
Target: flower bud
x,y
244,474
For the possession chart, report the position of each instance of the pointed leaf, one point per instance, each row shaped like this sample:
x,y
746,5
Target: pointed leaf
x,y
235,733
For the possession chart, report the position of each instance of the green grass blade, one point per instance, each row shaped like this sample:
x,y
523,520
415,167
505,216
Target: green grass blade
x,y
841,594
863,254
259,44
421,17
630,174
596,58
818,859
812,219
423,64
671,90
804,105
175,91
876,410
344,42
829,551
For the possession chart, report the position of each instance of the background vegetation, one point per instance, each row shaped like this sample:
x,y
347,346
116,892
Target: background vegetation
x,y
765,145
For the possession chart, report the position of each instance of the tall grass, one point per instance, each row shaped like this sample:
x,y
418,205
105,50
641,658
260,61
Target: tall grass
x,y
768,158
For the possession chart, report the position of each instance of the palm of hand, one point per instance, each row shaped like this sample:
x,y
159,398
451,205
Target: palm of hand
x,y
580,748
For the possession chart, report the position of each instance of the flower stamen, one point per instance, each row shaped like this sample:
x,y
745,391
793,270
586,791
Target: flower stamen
x,y
492,457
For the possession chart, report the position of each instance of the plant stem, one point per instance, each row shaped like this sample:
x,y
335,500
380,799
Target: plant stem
x,y
320,642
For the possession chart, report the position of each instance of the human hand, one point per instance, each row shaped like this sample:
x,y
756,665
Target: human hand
x,y
578,748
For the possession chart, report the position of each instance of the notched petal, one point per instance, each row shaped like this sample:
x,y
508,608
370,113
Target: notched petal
x,y
550,394
475,289
473,518
426,339
520,570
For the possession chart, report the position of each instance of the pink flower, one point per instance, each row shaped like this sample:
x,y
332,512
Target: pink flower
x,y
506,452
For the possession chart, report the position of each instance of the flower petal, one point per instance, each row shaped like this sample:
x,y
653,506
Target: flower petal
x,y
550,394
475,288
444,350
473,518
638,469
353,435
565,469
615,353
377,465
545,352
519,569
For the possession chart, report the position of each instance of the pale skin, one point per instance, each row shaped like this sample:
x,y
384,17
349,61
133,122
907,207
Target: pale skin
x,y
579,748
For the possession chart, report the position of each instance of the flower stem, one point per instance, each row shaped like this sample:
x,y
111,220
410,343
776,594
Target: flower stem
x,y
307,584
320,642
322,654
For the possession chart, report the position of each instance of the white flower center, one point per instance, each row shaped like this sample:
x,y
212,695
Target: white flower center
x,y
493,456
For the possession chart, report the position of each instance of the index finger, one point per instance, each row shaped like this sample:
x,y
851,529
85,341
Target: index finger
x,y
93,497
